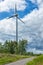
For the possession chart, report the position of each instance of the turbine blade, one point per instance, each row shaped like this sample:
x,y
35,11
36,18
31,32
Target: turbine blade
x,y
11,17
20,20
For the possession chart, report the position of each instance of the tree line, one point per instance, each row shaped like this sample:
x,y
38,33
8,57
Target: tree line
x,y
13,47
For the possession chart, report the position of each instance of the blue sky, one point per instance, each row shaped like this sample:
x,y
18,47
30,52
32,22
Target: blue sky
x,y
31,12
29,8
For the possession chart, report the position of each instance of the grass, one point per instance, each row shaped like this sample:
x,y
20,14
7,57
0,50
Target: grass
x,y
36,61
8,58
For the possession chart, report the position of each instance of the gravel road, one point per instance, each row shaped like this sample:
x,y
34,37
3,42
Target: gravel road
x,y
21,62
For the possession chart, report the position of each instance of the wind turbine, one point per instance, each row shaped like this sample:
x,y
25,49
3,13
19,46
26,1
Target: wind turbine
x,y
16,15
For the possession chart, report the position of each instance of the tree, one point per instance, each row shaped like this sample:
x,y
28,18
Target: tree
x,y
22,46
11,46
1,48
14,47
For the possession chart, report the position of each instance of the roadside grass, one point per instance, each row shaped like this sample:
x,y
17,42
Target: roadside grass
x,y
36,61
8,58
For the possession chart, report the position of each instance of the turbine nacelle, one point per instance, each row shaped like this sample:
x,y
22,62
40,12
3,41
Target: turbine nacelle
x,y
16,15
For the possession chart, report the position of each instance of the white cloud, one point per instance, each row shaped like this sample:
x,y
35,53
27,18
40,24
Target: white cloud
x,y
8,29
39,3
36,1
6,5
34,20
34,24
35,51
1,0
8,26
1,40
33,1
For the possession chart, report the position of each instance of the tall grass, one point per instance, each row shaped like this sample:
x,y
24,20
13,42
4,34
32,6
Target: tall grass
x,y
8,58
36,61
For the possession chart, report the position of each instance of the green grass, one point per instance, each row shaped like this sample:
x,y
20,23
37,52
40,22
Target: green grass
x,y
36,61
8,58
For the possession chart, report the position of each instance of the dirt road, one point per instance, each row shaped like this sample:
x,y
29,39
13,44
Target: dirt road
x,y
21,62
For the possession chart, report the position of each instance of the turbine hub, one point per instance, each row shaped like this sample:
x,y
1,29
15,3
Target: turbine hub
x,y
16,15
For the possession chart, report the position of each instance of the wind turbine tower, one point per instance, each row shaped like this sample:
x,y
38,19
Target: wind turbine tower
x,y
16,15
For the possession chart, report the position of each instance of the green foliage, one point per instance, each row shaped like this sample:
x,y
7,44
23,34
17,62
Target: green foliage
x,y
30,53
8,58
36,61
10,46
13,47
22,46
1,48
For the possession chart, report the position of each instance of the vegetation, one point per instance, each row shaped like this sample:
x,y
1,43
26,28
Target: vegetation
x,y
22,46
36,61
13,47
12,51
8,58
